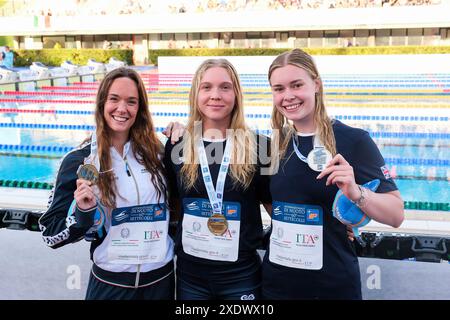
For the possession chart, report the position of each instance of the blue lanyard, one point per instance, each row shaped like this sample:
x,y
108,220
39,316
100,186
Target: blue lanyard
x,y
299,154
317,144
317,158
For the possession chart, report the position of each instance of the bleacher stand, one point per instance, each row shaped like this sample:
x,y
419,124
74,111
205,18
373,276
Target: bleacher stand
x,y
128,7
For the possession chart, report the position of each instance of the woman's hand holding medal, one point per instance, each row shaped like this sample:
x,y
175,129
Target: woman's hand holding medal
x,y
84,195
341,174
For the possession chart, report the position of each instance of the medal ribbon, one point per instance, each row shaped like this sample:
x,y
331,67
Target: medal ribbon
x,y
94,156
317,144
215,195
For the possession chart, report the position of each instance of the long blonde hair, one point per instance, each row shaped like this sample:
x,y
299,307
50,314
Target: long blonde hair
x,y
145,144
243,154
285,130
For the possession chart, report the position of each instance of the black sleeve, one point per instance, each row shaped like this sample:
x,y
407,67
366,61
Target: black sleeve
x,y
263,174
174,198
369,164
59,226
170,171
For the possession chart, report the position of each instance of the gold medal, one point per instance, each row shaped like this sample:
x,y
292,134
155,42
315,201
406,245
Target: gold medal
x,y
217,224
318,158
88,172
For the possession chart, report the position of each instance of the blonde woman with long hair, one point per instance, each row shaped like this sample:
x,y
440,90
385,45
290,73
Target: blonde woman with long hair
x,y
321,161
112,191
216,170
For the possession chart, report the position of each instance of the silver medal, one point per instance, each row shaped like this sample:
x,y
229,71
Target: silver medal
x,y
318,158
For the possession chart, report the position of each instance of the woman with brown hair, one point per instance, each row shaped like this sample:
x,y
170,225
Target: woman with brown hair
x,y
112,191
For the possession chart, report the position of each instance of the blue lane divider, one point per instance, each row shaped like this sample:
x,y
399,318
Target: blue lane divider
x,y
36,148
416,162
65,149
78,112
170,114
418,135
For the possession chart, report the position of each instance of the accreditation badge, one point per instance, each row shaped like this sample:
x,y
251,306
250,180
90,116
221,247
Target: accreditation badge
x,y
217,224
318,158
296,240
211,236
138,234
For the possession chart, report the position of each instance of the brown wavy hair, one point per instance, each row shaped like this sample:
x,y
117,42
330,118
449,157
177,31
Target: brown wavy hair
x,y
145,144
285,129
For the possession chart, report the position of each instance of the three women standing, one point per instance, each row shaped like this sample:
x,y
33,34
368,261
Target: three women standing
x,y
217,182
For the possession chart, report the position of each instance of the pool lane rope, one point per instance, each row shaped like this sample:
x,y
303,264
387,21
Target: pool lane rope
x,y
249,115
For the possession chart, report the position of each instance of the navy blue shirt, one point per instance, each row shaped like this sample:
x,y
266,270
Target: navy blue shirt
x,y
250,237
296,183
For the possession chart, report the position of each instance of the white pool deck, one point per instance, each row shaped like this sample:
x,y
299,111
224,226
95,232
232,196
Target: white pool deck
x,y
21,198
416,221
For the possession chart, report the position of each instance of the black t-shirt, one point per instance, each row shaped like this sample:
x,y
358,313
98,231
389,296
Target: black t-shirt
x,y
250,237
296,183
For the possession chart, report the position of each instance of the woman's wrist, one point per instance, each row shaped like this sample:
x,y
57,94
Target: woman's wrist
x,y
88,209
361,202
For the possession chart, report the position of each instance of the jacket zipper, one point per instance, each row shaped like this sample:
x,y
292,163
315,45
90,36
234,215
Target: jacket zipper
x,y
130,174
